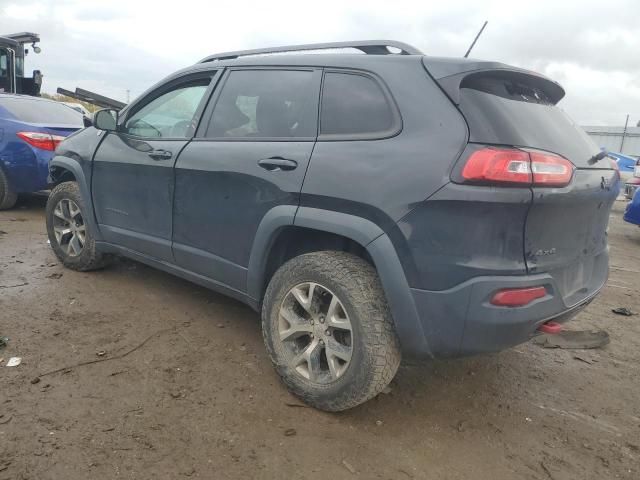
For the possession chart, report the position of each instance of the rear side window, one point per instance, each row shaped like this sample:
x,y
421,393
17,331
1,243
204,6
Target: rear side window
x,y
266,104
354,104
41,111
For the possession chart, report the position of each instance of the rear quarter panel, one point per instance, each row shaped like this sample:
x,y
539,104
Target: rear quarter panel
x,y
382,180
18,160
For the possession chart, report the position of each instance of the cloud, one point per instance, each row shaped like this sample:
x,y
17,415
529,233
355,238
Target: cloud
x,y
589,46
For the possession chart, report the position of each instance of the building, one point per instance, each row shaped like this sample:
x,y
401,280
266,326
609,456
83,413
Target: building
x,y
616,139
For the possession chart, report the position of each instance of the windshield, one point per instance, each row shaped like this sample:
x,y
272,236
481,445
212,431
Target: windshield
x,y
41,111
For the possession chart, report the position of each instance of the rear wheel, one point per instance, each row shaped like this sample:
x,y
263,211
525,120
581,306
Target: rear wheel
x,y
328,330
8,197
70,237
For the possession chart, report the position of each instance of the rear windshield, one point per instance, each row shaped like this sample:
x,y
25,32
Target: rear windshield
x,y
506,112
39,111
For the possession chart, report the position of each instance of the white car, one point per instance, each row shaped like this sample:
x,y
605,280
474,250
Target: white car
x,y
78,107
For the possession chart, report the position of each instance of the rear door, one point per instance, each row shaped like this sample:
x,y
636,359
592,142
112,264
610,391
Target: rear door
x,y
250,155
565,229
133,179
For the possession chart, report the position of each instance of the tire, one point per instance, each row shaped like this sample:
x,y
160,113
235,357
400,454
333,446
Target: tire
x,y
65,198
373,345
8,197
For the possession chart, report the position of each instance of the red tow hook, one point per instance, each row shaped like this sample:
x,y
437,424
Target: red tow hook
x,y
550,328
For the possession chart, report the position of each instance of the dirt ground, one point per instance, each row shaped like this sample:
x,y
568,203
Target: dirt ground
x,y
199,399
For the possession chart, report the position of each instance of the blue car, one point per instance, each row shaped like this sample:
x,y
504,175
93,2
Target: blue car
x,y
30,130
626,164
632,212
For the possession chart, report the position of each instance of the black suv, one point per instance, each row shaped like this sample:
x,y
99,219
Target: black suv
x,y
369,204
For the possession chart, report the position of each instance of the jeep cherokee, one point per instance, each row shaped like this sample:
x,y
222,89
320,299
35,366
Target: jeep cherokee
x,y
369,205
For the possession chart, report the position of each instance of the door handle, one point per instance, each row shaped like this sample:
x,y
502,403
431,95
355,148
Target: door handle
x,y
160,154
276,164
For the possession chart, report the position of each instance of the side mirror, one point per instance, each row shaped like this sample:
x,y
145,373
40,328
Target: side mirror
x,y
87,121
106,119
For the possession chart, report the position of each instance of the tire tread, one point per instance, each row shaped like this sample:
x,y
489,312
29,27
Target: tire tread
x,y
380,343
90,258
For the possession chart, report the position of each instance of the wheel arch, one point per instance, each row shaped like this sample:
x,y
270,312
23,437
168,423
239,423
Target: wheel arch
x,y
59,174
356,234
64,169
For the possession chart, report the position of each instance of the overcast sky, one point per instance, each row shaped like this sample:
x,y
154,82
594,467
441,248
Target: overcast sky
x,y
591,47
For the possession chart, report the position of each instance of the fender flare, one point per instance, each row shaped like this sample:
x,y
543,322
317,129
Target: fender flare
x,y
75,168
268,229
362,231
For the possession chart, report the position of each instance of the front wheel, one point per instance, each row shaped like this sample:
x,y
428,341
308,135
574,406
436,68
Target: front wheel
x,y
69,235
328,330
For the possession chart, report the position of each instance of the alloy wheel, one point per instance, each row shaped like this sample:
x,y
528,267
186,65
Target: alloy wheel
x,y
69,227
315,331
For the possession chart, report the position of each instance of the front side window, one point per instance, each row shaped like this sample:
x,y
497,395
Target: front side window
x,y
170,115
266,104
354,104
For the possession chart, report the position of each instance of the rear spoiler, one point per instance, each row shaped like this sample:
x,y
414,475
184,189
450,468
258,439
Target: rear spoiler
x,y
454,74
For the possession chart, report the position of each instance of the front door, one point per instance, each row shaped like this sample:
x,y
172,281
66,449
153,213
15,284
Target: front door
x,y
133,179
249,156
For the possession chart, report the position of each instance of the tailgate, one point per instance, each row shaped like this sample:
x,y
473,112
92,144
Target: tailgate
x,y
566,232
565,228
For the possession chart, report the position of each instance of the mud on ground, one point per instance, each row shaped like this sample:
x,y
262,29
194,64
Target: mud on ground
x,y
199,399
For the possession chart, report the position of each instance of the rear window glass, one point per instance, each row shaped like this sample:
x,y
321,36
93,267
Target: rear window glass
x,y
39,111
500,111
267,104
353,104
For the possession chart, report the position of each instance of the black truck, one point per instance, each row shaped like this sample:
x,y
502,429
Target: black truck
x,y
13,50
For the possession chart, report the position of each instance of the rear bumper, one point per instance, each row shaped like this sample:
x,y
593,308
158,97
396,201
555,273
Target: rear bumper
x,y
28,171
461,321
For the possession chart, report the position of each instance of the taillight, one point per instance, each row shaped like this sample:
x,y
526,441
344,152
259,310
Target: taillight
x,y
498,165
517,297
513,166
550,170
43,141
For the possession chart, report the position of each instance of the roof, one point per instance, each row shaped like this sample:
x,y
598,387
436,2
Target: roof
x,y
370,47
439,67
378,56
23,37
311,60
6,41
308,59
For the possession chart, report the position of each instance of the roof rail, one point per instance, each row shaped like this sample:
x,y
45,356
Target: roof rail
x,y
370,47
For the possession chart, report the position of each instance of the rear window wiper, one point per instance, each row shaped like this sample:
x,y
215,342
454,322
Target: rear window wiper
x,y
598,156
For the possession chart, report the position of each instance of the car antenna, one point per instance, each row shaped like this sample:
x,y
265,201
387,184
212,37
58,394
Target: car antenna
x,y
476,39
